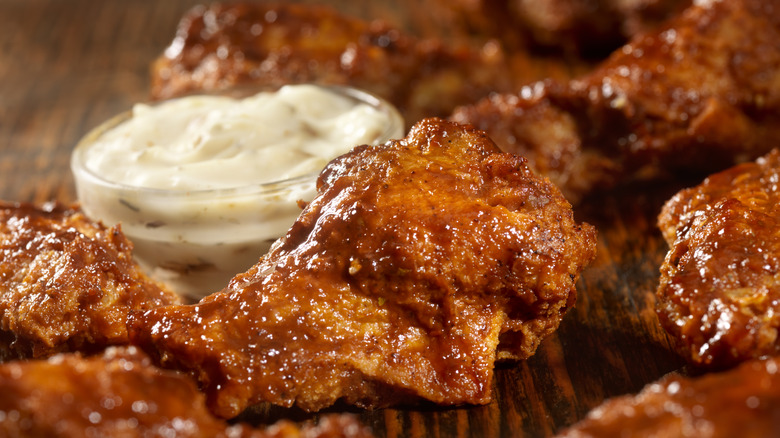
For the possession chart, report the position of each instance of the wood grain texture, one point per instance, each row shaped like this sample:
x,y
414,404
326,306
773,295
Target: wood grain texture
x,y
66,66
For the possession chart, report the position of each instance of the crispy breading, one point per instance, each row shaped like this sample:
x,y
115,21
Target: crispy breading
x,y
419,264
66,282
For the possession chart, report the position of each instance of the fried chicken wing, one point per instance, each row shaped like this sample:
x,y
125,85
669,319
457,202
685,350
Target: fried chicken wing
x,y
697,96
719,293
121,394
226,45
419,264
743,402
66,283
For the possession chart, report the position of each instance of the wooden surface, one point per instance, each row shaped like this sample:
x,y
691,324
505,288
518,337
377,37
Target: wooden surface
x,y
65,66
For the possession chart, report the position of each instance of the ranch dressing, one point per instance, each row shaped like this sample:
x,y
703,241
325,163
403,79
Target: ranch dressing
x,y
216,142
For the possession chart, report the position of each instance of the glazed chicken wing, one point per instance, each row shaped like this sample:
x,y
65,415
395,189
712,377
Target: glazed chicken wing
x,y
419,264
66,282
227,45
720,282
699,95
121,394
743,402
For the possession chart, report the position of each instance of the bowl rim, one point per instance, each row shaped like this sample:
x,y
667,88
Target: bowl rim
x,y
81,171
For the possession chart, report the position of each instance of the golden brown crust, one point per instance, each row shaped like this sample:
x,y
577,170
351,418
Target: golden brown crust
x,y
121,394
419,263
720,282
66,283
697,96
743,402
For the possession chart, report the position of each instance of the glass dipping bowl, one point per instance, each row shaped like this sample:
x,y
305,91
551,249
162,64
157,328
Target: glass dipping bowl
x,y
195,241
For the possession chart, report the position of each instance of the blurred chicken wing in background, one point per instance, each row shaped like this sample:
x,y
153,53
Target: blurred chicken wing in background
x,y
696,96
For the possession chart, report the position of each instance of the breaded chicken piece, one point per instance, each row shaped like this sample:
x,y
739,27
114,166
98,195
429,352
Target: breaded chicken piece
x,y
743,402
228,45
697,96
66,282
121,394
719,292
418,265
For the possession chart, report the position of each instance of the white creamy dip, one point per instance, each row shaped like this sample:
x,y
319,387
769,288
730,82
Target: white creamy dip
x,y
203,185
214,142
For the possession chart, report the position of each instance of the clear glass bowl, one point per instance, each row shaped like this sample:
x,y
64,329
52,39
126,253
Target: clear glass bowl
x,y
195,241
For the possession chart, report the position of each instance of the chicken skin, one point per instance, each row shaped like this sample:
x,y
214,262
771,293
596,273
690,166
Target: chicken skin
x,y
121,394
66,282
697,96
228,45
743,402
719,292
418,265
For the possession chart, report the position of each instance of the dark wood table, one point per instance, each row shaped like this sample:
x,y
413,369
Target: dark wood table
x,y
66,66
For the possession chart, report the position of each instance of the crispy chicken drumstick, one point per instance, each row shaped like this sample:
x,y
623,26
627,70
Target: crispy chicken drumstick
x,y
419,264
66,282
